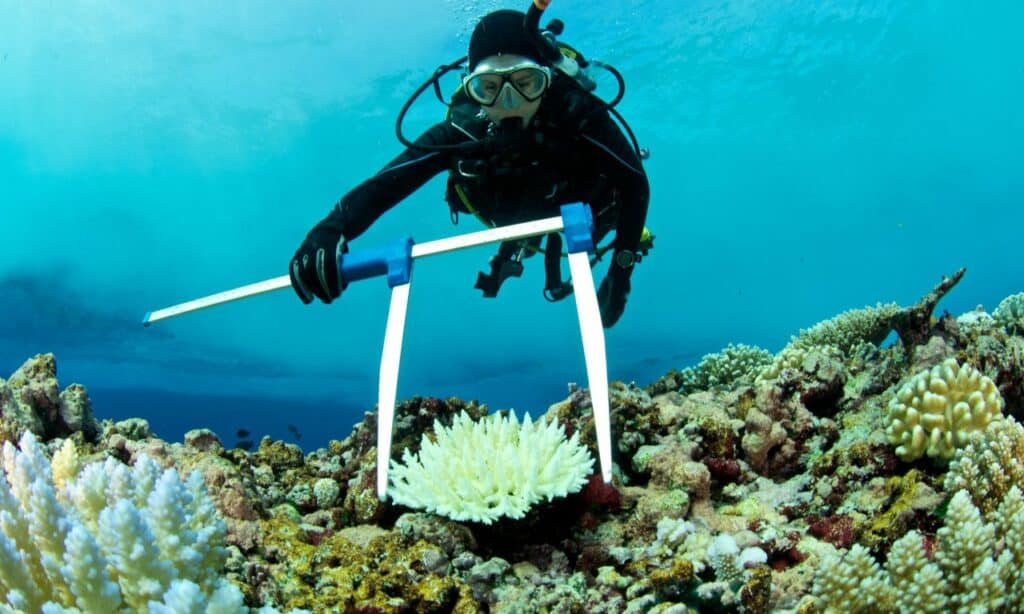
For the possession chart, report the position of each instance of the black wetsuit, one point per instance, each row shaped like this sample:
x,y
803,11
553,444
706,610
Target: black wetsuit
x,y
572,152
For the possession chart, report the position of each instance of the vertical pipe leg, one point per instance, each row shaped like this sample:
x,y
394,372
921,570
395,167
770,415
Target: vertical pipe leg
x,y
592,332
387,389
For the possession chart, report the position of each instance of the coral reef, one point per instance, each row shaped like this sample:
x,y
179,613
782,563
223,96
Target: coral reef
x,y
840,474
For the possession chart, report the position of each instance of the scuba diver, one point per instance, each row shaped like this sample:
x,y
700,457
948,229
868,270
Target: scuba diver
x,y
524,134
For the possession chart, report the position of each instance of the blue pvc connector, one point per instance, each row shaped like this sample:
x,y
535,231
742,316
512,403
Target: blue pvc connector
x,y
393,259
579,227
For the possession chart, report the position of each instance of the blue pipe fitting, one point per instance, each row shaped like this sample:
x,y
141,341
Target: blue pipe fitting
x,y
579,227
392,259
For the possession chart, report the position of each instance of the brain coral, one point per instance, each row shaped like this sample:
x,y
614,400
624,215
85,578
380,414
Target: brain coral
x,y
939,408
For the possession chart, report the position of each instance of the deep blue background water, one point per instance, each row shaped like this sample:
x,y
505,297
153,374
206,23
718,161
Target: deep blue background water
x,y
807,157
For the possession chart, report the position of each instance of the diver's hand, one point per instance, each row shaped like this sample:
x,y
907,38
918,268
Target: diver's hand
x,y
314,268
611,296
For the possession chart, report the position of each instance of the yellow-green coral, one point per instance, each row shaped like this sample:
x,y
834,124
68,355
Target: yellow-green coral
x,y
990,464
384,575
902,492
938,409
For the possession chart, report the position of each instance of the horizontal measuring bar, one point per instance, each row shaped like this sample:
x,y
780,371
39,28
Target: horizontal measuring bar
x,y
430,248
501,233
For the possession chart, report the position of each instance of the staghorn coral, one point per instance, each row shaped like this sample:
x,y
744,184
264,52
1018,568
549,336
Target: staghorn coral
x,y
483,470
976,567
850,328
938,409
1010,313
721,370
990,464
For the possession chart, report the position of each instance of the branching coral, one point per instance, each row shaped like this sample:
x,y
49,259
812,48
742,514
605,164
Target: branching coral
x,y
1010,313
483,470
108,537
938,409
990,464
976,567
723,369
850,328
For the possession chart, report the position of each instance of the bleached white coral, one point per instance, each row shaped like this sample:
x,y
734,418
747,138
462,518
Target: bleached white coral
x,y
484,470
938,409
111,539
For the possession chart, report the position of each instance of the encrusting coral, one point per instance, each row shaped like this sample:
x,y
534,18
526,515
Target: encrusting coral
x,y
483,470
938,409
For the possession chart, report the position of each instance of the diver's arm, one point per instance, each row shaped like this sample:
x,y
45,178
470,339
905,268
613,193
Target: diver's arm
x,y
358,209
614,157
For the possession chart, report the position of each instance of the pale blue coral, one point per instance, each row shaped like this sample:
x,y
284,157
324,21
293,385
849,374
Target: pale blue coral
x,y
734,364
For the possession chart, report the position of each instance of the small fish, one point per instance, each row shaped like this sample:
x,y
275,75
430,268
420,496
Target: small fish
x,y
242,433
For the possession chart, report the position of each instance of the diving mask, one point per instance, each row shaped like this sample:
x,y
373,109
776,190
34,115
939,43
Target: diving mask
x,y
488,84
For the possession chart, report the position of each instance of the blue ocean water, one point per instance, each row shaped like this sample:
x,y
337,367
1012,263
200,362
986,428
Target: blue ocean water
x,y
807,157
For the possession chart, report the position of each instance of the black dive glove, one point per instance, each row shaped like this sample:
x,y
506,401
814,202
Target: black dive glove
x,y
611,296
314,268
